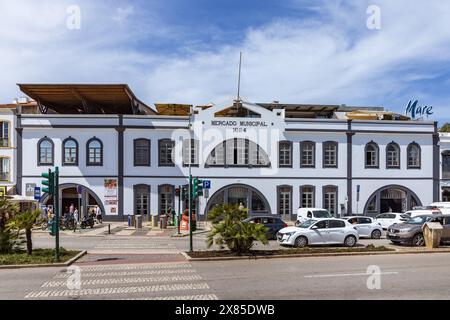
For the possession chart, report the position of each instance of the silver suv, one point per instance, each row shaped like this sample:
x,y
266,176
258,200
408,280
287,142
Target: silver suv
x,y
410,232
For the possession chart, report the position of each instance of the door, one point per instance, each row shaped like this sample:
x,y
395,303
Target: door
x,y
336,232
364,227
381,219
317,236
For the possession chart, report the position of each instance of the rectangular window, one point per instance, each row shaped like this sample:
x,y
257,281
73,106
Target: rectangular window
x,y
307,154
446,165
192,156
4,169
166,194
142,152
285,154
142,200
166,147
330,155
307,197
285,201
4,134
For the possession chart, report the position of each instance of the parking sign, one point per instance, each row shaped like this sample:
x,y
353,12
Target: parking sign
x,y
206,184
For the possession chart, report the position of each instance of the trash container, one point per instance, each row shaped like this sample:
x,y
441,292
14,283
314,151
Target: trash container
x,y
163,221
138,221
154,221
432,232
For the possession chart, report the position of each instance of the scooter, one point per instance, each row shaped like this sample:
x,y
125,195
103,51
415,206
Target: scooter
x,y
88,221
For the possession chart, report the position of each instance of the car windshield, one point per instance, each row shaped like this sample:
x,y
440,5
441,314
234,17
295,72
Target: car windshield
x,y
322,214
418,220
307,224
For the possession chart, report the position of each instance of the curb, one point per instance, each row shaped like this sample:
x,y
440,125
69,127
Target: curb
x,y
187,234
311,255
45,265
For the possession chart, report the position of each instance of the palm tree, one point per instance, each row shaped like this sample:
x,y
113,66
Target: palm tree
x,y
25,221
7,211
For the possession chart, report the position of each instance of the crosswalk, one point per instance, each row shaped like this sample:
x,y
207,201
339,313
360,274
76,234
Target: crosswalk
x,y
135,246
146,281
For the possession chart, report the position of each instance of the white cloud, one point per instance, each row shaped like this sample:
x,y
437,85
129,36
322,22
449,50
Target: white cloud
x,y
333,59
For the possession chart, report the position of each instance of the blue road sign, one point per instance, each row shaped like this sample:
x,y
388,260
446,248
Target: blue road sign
x,y
37,193
206,184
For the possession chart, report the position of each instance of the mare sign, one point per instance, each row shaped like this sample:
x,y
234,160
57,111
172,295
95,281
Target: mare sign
x,y
417,111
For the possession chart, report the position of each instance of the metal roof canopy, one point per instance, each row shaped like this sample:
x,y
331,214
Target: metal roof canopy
x,y
86,98
300,107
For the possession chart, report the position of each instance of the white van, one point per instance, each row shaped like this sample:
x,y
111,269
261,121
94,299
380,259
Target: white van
x,y
304,214
444,207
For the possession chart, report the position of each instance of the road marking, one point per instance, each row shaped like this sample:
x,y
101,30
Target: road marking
x,y
120,290
87,274
193,297
93,282
137,267
348,274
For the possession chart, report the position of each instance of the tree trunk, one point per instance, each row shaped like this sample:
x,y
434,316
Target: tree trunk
x,y
29,241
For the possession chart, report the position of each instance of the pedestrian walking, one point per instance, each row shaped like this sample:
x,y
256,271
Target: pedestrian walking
x,y
98,214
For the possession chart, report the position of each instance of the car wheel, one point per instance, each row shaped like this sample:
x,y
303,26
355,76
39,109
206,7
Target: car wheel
x,y
301,242
350,241
376,234
418,240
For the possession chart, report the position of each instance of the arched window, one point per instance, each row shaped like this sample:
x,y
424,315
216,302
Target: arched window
x,y
166,198
238,152
392,156
70,152
372,155
141,199
94,154
414,156
45,152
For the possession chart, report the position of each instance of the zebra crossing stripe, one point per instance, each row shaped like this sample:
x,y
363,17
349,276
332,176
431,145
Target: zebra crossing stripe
x,y
124,273
113,291
192,297
137,267
92,282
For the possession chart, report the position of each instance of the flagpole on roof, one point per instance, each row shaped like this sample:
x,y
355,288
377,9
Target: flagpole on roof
x,y
239,78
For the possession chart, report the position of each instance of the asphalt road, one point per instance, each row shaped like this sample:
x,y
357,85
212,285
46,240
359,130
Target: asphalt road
x,y
152,268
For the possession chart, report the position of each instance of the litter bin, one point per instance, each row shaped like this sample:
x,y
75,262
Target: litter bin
x,y
432,232
163,221
138,222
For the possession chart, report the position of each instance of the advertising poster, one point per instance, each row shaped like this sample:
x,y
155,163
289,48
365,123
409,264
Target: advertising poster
x,y
111,196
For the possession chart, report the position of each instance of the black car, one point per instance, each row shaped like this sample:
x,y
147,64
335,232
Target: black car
x,y
272,223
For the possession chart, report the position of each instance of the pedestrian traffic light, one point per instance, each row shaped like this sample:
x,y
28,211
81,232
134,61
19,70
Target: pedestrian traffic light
x,y
49,182
197,188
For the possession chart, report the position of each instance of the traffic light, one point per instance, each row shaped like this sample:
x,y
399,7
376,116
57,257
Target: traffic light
x,y
197,188
49,182
184,192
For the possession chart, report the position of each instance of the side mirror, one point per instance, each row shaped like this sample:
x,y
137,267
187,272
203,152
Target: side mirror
x,y
314,228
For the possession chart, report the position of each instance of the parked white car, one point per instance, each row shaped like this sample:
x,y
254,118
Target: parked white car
x,y
367,227
444,207
304,214
389,218
319,232
422,212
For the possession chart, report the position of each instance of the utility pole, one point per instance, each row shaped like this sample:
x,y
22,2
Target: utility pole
x,y
56,208
190,183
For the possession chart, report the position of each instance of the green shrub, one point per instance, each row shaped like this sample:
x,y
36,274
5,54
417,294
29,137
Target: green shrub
x,y
228,228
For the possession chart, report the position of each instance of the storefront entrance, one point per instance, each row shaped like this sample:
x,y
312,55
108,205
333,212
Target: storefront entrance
x,y
241,194
392,199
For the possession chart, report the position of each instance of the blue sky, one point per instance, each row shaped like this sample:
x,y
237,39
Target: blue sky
x,y
187,51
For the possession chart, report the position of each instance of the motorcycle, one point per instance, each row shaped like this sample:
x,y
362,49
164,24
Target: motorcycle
x,y
88,221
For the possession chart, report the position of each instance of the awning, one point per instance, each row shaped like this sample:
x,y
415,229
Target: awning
x,y
86,98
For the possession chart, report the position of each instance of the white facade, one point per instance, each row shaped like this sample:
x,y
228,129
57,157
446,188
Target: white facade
x,y
271,188
7,150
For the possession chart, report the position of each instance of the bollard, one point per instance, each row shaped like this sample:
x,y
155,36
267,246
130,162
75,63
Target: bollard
x,y
109,228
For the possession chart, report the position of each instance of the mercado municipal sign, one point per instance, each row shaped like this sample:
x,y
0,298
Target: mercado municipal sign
x,y
238,126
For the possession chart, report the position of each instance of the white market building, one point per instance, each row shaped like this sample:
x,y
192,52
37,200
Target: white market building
x,y
273,158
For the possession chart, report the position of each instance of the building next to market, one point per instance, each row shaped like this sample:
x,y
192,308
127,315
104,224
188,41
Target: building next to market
x,y
115,151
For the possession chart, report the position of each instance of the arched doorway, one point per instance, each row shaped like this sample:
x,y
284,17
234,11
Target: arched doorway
x,y
243,194
392,198
85,201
